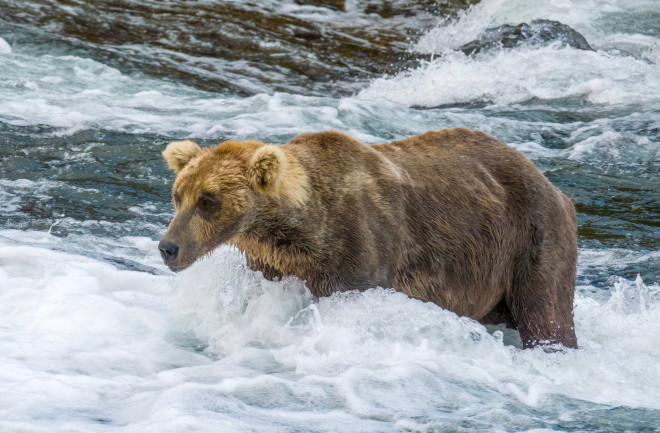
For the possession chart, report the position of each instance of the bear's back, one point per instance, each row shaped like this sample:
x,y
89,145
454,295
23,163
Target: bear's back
x,y
450,152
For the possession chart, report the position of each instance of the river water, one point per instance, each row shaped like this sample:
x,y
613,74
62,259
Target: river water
x,y
96,335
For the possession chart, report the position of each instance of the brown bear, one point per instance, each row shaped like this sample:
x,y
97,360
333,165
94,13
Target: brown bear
x,y
453,217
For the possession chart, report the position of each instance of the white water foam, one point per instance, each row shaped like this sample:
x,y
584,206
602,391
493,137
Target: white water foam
x,y
75,93
523,74
515,76
87,347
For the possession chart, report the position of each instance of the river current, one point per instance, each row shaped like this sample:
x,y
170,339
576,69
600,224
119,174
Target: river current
x,y
96,335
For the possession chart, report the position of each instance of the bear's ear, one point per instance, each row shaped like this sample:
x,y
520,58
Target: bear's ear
x,y
266,168
179,153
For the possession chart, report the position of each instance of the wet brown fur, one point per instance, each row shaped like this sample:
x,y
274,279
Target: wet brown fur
x,y
453,217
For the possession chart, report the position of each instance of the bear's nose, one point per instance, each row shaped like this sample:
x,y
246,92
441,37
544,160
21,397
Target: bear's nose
x,y
168,250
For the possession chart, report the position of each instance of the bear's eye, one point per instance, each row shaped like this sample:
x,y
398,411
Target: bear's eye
x,y
208,206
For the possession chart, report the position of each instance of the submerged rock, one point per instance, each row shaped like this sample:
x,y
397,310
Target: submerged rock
x,y
539,32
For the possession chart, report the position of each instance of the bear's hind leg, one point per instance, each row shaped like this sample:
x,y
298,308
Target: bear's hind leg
x,y
541,333
541,300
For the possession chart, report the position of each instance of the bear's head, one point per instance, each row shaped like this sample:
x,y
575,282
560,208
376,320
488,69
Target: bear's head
x,y
218,192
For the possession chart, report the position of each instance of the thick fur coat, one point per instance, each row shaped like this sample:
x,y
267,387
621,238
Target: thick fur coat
x,y
453,217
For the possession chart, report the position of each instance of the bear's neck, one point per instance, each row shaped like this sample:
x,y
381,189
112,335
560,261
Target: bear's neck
x,y
277,234
279,238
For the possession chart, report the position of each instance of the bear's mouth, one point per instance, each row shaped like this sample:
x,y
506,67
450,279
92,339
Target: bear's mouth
x,y
177,269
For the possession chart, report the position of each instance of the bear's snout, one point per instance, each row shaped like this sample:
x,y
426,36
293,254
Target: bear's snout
x,y
168,251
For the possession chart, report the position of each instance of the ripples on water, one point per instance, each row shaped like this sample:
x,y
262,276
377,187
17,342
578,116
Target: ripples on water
x,y
96,335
